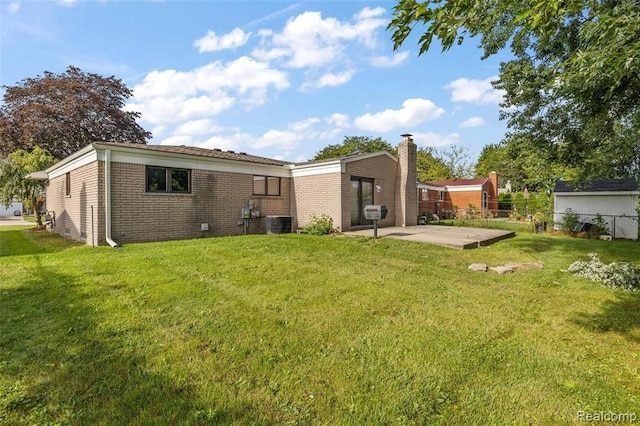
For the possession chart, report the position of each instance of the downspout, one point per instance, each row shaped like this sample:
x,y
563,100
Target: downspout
x,y
107,197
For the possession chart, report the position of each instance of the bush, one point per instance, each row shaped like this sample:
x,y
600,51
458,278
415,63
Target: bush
x,y
622,275
599,226
318,225
570,221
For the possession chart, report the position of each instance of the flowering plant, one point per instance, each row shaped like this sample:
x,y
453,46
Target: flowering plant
x,y
620,275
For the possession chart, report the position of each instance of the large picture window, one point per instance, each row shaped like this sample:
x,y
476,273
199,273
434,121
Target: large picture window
x,y
266,185
164,179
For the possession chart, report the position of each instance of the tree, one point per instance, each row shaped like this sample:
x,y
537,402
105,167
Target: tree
x,y
572,86
457,160
62,113
430,166
498,158
354,145
14,184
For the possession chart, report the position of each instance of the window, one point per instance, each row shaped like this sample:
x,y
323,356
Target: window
x,y
163,179
441,195
67,184
424,194
266,185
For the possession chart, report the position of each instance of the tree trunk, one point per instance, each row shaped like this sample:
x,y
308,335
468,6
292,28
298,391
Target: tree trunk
x,y
36,212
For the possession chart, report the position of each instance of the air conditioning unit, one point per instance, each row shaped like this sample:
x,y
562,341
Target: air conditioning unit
x,y
278,224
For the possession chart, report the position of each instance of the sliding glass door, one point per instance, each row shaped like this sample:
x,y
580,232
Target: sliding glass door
x,y
361,195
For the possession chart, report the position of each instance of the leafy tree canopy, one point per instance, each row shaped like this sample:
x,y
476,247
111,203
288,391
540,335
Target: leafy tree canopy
x,y
572,86
354,145
457,161
13,182
62,113
430,162
431,166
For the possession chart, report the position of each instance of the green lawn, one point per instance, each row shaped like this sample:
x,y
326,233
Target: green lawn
x,y
303,329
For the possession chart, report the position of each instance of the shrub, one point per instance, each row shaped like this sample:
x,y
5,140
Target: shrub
x,y
570,221
318,225
519,203
599,226
620,275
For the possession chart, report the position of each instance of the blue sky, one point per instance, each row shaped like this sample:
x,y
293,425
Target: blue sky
x,y
278,79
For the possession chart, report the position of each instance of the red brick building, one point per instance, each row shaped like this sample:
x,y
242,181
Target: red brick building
x,y
456,197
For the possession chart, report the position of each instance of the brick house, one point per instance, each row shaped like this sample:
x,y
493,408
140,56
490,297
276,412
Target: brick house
x,y
448,198
111,193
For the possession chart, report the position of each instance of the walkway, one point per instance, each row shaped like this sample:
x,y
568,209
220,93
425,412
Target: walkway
x,y
14,220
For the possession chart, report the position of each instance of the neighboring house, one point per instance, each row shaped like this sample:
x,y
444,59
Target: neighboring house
x,y
446,197
615,200
14,209
121,193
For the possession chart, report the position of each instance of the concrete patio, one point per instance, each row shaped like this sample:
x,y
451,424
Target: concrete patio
x,y
446,236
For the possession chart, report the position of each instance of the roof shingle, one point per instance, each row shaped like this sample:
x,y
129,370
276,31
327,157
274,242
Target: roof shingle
x,y
201,152
598,185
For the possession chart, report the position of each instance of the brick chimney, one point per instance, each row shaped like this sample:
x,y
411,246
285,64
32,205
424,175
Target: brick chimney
x,y
407,183
493,198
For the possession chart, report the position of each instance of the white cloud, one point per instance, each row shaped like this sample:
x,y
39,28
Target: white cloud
x,y
197,128
165,84
368,13
178,140
13,7
308,40
170,96
212,42
413,112
330,80
158,131
303,125
162,111
473,122
227,143
339,120
68,2
389,61
475,91
435,139
277,138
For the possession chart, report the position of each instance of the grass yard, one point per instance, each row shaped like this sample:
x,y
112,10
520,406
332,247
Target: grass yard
x,y
299,329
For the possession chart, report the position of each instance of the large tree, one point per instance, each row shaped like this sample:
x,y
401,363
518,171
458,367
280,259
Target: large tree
x,y
14,185
354,145
572,86
430,164
62,113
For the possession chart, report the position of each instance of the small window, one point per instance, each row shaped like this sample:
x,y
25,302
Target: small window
x,y
67,184
163,179
266,185
441,195
425,194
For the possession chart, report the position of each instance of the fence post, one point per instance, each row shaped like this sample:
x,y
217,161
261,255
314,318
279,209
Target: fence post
x,y
614,227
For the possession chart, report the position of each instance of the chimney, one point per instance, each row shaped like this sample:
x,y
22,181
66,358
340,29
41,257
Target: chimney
x,y
493,198
407,183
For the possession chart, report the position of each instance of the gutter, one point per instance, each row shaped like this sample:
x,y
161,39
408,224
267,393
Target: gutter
x,y
107,197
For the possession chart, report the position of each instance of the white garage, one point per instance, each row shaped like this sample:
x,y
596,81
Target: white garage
x,y
14,207
615,200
